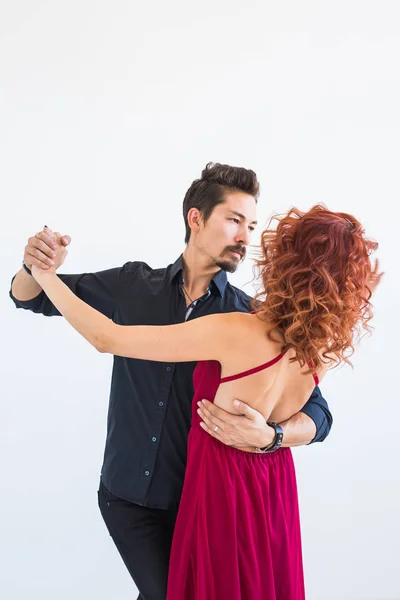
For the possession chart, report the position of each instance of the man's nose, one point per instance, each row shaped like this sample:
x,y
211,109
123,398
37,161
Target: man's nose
x,y
243,236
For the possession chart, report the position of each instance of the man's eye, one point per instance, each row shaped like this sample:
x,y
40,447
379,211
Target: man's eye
x,y
252,229
235,220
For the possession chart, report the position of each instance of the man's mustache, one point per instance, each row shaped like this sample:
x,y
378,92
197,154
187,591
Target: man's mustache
x,y
239,249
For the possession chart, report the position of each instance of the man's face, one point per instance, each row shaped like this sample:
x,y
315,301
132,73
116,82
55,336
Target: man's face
x,y
224,237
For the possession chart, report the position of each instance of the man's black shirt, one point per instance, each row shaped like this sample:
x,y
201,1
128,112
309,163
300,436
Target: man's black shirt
x,y
150,402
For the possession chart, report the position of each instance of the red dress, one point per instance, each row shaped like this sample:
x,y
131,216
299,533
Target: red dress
x,y
237,535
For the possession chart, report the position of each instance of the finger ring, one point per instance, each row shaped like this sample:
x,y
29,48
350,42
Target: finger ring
x,y
216,428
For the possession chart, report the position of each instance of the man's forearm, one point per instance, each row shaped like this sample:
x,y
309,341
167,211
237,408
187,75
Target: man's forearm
x,y
24,286
299,430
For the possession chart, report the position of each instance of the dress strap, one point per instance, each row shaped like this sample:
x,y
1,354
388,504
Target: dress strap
x,y
315,376
255,370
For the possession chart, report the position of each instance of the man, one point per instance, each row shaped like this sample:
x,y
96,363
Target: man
x,y
150,403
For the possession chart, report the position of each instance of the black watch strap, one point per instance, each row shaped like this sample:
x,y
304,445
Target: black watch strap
x,y
278,439
25,268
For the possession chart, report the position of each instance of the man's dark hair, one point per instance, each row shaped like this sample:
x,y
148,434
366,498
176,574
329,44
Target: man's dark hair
x,y
208,191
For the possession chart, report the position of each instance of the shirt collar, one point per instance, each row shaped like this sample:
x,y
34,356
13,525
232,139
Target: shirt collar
x,y
219,281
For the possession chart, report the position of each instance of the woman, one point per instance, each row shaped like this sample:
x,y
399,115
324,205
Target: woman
x,y
237,534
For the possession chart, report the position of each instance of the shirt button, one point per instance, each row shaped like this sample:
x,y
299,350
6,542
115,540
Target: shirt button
x,y
161,404
153,439
168,368
147,473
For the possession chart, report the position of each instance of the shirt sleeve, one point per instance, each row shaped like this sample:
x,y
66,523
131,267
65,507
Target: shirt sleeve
x,y
101,290
317,409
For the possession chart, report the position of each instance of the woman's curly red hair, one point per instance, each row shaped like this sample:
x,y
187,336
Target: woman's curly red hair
x,y
317,280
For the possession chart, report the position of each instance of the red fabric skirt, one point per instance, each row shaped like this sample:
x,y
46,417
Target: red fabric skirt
x,y
237,534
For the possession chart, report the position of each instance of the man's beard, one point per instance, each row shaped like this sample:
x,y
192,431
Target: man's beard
x,y
231,265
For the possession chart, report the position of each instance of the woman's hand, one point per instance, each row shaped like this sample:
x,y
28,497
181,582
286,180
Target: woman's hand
x,y
40,248
60,252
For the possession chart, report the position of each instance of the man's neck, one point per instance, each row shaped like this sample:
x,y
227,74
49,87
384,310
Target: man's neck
x,y
198,271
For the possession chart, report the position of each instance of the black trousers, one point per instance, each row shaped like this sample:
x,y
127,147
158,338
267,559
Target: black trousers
x,y
143,538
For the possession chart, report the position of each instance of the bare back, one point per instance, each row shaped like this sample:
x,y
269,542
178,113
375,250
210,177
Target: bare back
x,y
278,390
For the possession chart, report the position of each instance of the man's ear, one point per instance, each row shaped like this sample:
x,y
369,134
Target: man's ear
x,y
194,219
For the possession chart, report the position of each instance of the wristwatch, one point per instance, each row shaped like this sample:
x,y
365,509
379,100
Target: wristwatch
x,y
278,439
25,268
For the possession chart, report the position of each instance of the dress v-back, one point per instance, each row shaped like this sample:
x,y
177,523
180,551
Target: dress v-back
x,y
237,535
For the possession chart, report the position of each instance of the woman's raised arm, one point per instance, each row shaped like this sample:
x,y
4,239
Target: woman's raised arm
x,y
199,339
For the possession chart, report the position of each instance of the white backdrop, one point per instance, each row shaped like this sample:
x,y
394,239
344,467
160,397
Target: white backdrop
x,y
108,111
